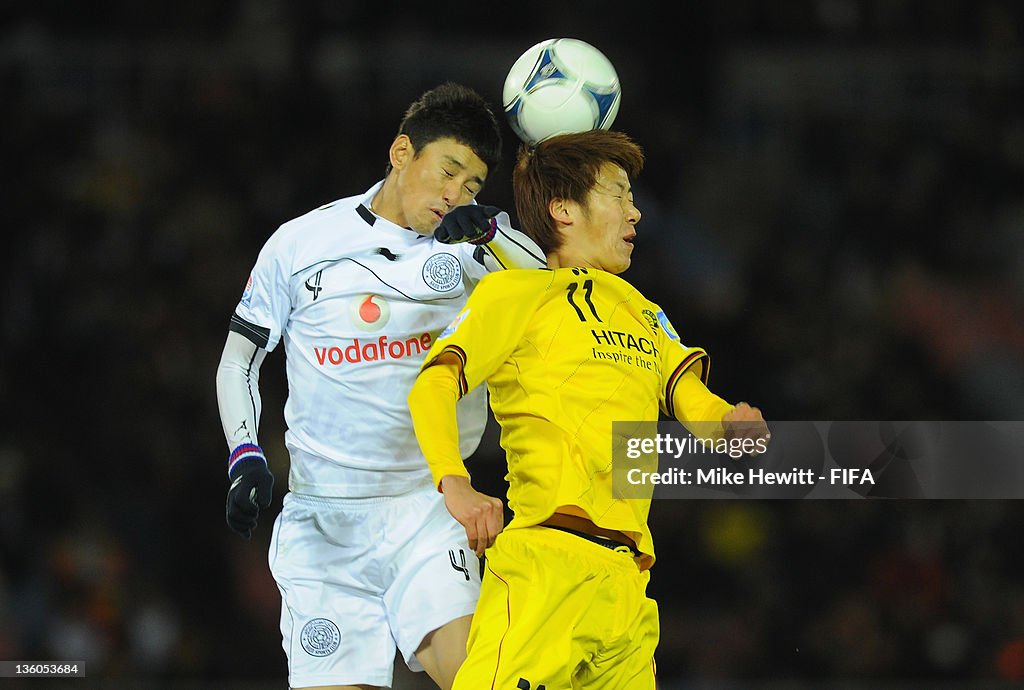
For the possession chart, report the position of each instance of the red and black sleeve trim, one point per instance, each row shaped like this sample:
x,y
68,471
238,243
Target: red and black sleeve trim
x,y
461,354
684,366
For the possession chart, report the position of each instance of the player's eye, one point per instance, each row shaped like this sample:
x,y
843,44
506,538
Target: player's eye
x,y
472,191
447,173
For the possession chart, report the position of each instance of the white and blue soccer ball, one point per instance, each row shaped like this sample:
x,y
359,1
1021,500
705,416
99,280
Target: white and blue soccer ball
x,y
560,86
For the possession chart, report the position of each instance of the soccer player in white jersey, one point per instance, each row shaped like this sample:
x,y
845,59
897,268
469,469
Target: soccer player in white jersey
x,y
365,554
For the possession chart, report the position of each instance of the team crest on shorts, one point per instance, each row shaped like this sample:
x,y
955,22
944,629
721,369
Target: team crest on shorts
x,y
442,272
320,637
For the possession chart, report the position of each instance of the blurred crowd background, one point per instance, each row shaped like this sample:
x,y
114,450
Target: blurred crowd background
x,y
833,206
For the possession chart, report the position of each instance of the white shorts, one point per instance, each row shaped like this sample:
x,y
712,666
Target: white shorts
x,y
362,576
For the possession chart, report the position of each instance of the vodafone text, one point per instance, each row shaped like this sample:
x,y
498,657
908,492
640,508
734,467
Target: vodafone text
x,y
372,350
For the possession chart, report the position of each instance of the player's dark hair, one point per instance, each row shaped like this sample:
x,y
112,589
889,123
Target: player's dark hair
x,y
566,167
455,111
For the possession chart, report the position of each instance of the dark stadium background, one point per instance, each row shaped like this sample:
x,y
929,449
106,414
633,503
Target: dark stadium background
x,y
833,206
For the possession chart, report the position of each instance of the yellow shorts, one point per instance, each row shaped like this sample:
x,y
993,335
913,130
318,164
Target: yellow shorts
x,y
558,612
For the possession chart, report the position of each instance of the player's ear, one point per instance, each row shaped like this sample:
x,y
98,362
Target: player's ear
x,y
401,151
560,210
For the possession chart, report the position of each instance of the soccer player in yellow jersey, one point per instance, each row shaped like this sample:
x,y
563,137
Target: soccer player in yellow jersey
x,y
565,352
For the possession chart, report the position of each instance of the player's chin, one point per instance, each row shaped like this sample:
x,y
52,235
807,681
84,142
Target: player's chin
x,y
426,227
621,265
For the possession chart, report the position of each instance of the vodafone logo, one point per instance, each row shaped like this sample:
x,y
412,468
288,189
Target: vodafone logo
x,y
369,312
372,350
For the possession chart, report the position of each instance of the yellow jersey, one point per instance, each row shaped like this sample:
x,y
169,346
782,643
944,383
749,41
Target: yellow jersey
x,y
565,353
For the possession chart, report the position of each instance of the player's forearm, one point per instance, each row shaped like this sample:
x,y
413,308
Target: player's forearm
x,y
432,406
699,410
512,249
238,393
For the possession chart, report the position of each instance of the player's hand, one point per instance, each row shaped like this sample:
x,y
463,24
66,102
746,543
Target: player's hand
x,y
252,487
483,516
471,223
746,422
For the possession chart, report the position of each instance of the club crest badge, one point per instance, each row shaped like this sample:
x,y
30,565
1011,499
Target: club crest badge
x,y
652,320
442,272
320,637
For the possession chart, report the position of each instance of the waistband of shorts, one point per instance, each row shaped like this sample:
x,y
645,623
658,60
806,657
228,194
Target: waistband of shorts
x,y
616,546
546,537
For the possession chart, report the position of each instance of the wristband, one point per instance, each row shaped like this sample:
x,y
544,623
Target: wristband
x,y
245,451
489,236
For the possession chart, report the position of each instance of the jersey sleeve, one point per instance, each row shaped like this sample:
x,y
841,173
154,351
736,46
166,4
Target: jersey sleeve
x,y
238,390
684,392
432,406
676,360
509,248
697,408
263,310
492,323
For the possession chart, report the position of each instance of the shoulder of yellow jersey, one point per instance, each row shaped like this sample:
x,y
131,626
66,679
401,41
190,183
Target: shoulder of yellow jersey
x,y
514,280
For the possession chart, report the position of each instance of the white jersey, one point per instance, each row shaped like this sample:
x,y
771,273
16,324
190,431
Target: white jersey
x,y
358,302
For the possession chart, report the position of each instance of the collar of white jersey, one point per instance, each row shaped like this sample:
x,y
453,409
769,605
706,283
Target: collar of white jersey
x,y
379,222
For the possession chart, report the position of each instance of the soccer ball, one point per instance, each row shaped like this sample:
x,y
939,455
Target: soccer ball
x,y
559,86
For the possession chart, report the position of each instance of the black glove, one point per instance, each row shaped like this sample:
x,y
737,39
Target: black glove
x,y
252,487
471,223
